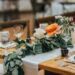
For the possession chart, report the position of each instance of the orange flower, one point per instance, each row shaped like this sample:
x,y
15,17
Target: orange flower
x,y
52,29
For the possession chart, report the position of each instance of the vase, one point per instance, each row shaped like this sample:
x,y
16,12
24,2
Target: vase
x,y
37,47
64,52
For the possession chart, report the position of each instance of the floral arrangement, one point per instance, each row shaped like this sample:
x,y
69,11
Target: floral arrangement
x,y
43,40
66,23
13,63
67,27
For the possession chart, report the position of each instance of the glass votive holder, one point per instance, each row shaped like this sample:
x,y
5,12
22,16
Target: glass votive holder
x,y
4,37
64,52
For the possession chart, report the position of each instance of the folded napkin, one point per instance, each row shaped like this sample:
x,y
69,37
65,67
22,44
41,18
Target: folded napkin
x,y
8,45
70,59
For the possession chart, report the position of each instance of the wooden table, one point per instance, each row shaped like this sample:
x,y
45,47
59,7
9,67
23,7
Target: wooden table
x,y
2,51
52,67
10,50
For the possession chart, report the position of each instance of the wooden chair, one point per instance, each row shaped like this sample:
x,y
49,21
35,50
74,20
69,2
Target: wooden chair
x,y
9,26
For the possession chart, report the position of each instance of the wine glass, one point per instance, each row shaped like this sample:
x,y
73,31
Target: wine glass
x,y
18,31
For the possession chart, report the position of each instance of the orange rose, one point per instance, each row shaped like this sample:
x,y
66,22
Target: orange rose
x,y
52,29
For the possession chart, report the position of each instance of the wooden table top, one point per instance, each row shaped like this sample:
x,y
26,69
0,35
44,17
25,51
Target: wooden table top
x,y
10,50
2,51
53,66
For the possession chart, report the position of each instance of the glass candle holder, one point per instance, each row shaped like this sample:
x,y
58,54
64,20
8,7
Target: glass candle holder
x,y
4,37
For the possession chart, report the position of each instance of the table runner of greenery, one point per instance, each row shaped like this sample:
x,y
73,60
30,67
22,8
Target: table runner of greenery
x,y
43,43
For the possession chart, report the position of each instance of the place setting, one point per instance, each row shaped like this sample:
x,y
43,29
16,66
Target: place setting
x,y
5,43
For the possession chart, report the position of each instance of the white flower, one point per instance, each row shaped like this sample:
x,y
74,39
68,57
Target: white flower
x,y
67,19
70,18
61,19
39,30
57,17
39,34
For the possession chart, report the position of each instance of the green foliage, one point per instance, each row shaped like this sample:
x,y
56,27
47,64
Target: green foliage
x,y
12,64
69,43
62,20
48,44
66,23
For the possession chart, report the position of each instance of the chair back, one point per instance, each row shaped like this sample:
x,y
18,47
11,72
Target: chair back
x,y
9,26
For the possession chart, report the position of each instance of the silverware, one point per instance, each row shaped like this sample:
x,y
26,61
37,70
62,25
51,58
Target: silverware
x,y
63,64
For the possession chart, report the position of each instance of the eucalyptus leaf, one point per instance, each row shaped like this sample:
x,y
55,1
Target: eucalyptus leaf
x,y
12,63
18,62
19,52
15,72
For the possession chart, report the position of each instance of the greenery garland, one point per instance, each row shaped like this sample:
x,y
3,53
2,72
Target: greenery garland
x,y
13,62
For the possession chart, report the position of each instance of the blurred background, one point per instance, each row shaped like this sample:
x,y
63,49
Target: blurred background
x,y
13,9
33,10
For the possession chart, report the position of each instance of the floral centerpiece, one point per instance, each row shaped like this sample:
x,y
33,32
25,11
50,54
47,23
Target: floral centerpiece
x,y
43,40
48,37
